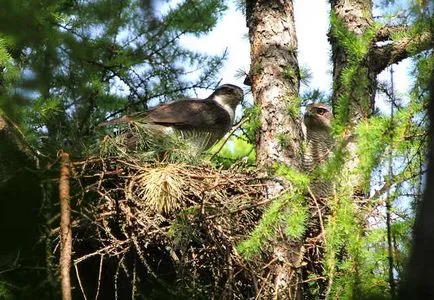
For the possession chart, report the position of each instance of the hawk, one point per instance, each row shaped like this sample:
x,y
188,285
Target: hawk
x,y
317,120
201,121
319,142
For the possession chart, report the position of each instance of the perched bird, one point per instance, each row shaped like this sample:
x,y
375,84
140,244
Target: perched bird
x,y
317,120
201,121
319,142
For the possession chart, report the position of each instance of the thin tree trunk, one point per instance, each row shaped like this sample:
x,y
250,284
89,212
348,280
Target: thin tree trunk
x,y
354,100
65,227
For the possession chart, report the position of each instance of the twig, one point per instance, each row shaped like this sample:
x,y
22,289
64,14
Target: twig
x,y
321,223
99,276
235,128
79,282
388,198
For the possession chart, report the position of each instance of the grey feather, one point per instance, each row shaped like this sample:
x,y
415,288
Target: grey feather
x,y
319,143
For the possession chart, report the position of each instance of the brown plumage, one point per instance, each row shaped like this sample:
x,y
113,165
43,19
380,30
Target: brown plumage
x,y
202,121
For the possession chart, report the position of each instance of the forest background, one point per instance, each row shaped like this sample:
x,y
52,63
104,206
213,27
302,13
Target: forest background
x,y
66,66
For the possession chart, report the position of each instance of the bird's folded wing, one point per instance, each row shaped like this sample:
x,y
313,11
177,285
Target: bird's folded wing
x,y
190,113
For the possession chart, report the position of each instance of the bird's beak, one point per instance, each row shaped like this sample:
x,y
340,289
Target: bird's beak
x,y
308,113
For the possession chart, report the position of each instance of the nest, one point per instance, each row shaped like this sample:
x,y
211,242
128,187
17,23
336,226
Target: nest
x,y
150,221
163,230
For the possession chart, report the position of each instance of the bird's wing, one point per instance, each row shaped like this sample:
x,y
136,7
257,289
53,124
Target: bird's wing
x,y
190,114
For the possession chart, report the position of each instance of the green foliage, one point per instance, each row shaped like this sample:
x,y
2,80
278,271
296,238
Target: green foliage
x,y
305,75
196,16
269,224
253,124
81,63
296,218
8,75
237,150
314,95
356,256
299,181
356,46
421,25
282,139
288,213
293,105
357,260
8,69
290,73
353,255
372,137
42,110
354,75
5,291
422,70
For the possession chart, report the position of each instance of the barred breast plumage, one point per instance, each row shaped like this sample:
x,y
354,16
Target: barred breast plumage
x,y
319,143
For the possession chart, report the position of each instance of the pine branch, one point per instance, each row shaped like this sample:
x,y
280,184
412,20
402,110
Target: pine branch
x,y
379,57
15,153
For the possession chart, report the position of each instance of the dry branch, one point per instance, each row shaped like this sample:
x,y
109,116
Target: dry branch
x,y
65,226
175,225
139,226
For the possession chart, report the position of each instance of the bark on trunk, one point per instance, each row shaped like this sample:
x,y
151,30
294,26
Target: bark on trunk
x,y
65,226
274,78
275,81
355,100
356,15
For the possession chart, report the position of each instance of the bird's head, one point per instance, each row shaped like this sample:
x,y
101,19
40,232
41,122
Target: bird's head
x,y
318,115
228,95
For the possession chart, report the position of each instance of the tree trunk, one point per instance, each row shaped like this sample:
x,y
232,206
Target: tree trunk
x,y
356,17
274,78
354,100
355,82
275,81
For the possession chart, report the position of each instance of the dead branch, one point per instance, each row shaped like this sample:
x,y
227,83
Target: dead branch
x,y
188,227
65,226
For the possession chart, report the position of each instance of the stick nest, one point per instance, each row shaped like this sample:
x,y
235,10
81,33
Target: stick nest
x,y
168,229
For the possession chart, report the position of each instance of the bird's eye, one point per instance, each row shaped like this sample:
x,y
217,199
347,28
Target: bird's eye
x,y
321,111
